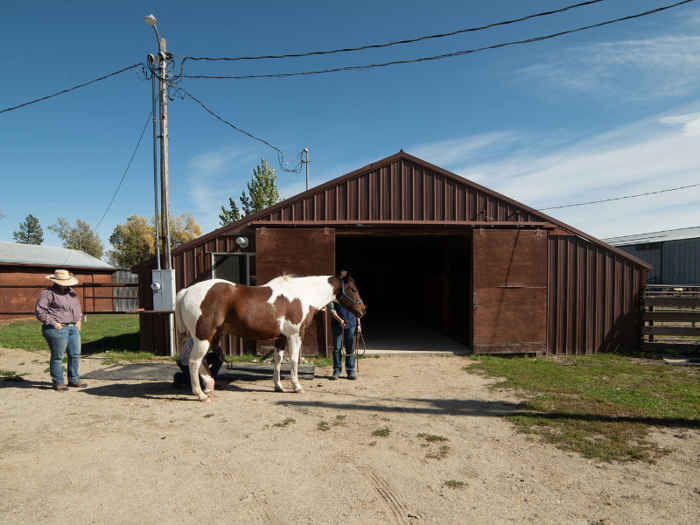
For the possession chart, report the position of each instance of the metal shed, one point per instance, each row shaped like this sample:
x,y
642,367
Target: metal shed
x,y
428,248
674,254
23,271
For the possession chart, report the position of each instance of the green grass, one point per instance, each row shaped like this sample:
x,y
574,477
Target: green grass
x,y
453,484
431,437
323,426
600,406
12,375
382,432
285,423
99,333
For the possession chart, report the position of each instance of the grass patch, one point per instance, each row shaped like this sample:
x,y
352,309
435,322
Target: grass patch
x,y
207,416
600,406
245,358
440,454
382,432
12,375
323,426
285,423
99,333
432,438
453,484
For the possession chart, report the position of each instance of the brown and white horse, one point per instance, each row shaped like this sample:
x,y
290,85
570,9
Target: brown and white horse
x,y
281,310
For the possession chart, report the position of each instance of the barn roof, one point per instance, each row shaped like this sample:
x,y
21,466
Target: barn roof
x,y
32,255
400,190
679,234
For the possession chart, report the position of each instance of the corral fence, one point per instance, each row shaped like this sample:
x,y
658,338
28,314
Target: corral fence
x,y
670,316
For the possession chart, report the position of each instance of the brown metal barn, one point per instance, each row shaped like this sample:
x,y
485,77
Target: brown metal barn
x,y
23,271
431,249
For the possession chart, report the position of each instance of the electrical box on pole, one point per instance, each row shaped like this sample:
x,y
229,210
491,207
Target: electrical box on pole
x,y
163,289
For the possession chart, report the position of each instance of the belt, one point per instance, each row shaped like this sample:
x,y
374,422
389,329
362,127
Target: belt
x,y
68,324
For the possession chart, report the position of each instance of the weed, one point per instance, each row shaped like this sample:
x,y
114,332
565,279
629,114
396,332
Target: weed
x,y
382,432
285,423
21,364
441,454
372,443
453,484
12,375
323,426
339,421
432,438
386,419
207,416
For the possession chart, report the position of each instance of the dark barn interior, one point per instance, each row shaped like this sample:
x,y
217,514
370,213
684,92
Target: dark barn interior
x,y
413,285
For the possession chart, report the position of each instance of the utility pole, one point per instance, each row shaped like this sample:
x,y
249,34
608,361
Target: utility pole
x,y
163,280
306,151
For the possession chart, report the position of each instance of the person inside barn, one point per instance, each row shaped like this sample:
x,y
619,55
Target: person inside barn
x,y
212,362
344,324
58,308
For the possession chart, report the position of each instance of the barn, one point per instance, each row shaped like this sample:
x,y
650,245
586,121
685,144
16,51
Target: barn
x,y
23,271
430,251
674,254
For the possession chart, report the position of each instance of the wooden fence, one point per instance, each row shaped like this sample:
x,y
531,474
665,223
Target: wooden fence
x,y
670,318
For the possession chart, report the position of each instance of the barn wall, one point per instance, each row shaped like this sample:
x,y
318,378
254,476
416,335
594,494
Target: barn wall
x,y
593,298
20,286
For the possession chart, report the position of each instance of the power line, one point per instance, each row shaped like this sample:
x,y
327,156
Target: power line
x,y
620,198
447,55
126,170
409,41
70,89
280,154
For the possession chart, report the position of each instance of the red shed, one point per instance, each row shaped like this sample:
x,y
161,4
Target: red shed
x,y
428,249
23,271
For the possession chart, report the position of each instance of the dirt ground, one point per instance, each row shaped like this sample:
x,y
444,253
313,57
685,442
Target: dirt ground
x,y
142,452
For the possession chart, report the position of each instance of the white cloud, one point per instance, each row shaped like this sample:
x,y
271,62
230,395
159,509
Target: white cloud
x,y
648,156
644,69
690,123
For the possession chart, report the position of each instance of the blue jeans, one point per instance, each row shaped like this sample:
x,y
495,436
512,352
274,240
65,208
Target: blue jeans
x,y
65,340
183,377
338,336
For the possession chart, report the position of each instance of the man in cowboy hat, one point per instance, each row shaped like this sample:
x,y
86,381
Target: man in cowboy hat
x,y
58,308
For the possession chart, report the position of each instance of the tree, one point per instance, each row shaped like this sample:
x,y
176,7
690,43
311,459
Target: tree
x,y
78,237
29,232
135,241
229,216
262,190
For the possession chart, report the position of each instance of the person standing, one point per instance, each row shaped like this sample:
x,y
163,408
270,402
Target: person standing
x,y
212,363
344,324
58,308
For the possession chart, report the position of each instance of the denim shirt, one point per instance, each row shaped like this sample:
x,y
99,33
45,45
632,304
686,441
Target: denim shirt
x,y
344,314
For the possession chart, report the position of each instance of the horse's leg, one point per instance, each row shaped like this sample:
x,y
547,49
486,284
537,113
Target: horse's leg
x,y
279,352
204,373
199,350
294,349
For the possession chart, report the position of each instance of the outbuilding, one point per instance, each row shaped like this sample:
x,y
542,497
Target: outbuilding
x,y
23,271
428,249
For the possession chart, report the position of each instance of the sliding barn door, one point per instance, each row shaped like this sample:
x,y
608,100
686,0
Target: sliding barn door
x,y
509,301
296,251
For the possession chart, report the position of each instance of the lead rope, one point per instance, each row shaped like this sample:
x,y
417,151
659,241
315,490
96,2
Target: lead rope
x,y
358,337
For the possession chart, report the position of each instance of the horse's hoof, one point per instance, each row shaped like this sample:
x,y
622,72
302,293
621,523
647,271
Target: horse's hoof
x,y
209,393
279,389
205,399
299,391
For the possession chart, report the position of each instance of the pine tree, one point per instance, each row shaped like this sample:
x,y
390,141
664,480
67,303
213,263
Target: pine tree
x,y
30,232
262,190
229,216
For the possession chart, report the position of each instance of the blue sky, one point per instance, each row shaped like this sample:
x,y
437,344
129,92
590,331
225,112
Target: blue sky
x,y
603,113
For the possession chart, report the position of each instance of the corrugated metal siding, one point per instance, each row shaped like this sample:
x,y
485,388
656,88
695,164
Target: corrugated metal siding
x,y
401,191
593,298
681,262
652,254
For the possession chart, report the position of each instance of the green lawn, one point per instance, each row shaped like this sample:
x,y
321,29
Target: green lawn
x,y
601,406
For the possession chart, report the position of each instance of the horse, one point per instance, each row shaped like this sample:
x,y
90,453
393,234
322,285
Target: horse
x,y
281,310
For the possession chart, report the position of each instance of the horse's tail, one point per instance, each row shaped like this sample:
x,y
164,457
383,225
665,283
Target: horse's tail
x,y
181,328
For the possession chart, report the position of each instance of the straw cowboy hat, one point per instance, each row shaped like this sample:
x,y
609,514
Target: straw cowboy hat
x,y
63,278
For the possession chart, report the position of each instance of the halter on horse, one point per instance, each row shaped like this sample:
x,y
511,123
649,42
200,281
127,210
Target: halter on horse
x,y
281,310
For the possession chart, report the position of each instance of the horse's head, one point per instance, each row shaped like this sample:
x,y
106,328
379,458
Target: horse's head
x,y
349,298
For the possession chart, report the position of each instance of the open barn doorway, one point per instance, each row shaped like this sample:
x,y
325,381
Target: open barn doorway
x,y
416,288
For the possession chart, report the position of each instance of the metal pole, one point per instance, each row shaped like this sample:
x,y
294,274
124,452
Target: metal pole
x,y
307,167
152,61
